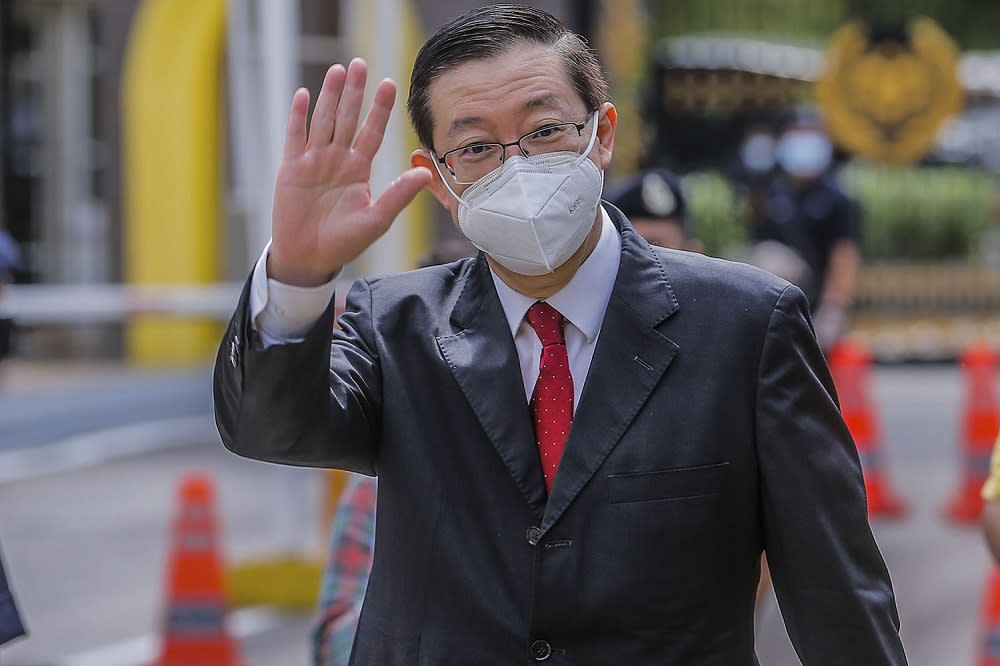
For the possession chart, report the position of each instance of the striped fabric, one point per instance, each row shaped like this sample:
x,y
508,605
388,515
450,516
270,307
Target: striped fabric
x,y
352,540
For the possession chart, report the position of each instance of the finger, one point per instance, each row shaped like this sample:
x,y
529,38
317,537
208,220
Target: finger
x,y
373,129
350,103
401,192
295,137
325,112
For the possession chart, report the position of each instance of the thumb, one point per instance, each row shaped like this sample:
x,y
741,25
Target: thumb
x,y
401,192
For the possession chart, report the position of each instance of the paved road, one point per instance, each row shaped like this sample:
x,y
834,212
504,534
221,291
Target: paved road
x,y
87,554
110,402
86,547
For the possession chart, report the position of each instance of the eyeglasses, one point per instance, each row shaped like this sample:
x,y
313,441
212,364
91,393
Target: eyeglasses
x,y
468,164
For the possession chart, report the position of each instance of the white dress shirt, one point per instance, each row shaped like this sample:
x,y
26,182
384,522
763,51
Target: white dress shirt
x,y
581,302
283,313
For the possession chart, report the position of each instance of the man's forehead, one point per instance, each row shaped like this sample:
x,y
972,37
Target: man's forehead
x,y
545,101
520,80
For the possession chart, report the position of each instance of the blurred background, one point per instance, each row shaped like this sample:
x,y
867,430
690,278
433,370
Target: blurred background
x,y
138,145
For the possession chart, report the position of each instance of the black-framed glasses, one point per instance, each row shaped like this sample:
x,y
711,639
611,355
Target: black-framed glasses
x,y
467,164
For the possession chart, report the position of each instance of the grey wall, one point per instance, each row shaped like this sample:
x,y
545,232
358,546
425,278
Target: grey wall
x,y
112,24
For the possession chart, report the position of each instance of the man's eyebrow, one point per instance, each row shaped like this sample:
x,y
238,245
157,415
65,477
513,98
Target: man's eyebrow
x,y
462,123
543,102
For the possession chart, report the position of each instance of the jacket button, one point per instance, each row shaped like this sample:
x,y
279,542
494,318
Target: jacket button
x,y
540,650
534,535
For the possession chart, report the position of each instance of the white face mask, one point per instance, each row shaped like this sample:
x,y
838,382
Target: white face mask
x,y
531,214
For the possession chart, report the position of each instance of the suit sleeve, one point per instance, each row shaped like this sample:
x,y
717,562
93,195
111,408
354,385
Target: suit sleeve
x,y
831,582
314,403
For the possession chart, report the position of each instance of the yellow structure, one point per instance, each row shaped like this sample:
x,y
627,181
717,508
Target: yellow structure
x,y
171,97
421,232
625,22
392,55
886,101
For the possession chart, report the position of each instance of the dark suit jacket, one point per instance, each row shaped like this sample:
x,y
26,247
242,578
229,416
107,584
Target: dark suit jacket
x,y
707,430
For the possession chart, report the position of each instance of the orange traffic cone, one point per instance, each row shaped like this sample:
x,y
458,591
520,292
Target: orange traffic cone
x,y
195,632
850,365
990,628
980,424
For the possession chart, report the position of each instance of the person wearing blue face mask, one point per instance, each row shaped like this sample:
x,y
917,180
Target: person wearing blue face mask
x,y
583,442
809,232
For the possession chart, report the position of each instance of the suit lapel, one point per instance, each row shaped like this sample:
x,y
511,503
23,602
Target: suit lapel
x,y
483,359
630,359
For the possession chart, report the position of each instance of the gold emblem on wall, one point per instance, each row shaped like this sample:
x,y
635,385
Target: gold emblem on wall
x,y
885,94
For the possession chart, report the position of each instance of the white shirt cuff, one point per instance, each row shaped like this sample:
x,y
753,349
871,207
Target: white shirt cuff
x,y
283,313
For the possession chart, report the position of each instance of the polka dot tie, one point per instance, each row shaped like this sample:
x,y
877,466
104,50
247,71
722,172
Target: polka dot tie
x,y
552,399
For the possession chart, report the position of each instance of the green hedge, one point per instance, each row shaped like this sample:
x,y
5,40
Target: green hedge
x,y
914,213
924,213
972,23
718,222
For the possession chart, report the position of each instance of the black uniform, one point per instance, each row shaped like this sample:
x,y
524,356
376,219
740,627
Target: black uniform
x,y
810,219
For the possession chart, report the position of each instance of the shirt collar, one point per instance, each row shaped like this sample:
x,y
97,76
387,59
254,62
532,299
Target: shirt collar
x,y
584,299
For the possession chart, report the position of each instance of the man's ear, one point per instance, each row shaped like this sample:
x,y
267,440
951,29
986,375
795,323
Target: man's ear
x,y
423,158
607,123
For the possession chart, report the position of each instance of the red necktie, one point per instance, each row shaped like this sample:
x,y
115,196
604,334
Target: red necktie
x,y
552,399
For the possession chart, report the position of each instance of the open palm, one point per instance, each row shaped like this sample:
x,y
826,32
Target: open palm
x,y
324,215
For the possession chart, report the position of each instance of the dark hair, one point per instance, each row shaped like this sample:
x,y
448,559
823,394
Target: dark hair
x,y
488,32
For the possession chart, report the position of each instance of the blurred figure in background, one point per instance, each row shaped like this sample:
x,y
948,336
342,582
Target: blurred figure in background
x,y
10,621
654,202
809,233
352,542
10,260
352,534
752,172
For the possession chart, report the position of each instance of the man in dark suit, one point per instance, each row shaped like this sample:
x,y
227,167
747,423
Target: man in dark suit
x,y
583,443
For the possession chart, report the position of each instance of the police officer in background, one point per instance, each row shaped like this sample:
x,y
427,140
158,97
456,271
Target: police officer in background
x,y
810,230
654,202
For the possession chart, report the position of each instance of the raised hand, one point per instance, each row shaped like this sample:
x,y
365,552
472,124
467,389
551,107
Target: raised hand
x,y
324,215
